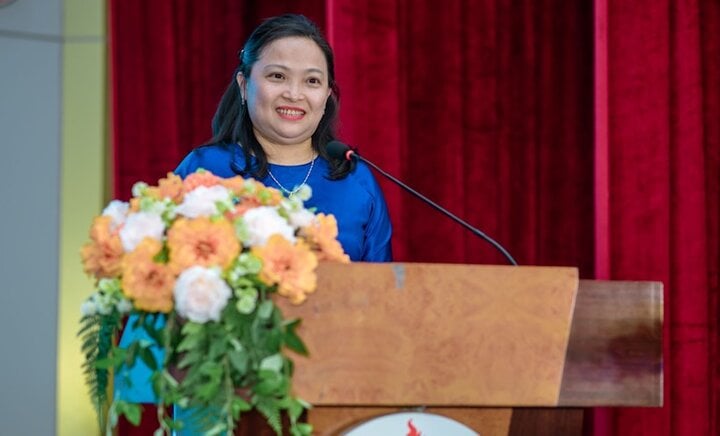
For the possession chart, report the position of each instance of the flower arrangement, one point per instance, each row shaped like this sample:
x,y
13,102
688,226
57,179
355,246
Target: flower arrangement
x,y
197,264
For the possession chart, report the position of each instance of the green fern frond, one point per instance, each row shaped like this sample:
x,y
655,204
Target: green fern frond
x,y
97,333
271,412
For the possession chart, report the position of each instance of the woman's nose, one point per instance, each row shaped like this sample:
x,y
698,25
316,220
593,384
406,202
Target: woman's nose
x,y
293,91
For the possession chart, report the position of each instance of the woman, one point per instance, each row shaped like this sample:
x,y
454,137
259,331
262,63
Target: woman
x,y
273,123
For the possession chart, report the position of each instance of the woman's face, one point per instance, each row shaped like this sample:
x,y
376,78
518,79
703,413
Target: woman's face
x,y
287,91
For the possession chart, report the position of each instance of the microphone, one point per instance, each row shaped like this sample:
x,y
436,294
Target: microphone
x,y
338,150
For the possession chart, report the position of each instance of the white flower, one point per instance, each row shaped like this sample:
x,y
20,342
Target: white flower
x,y
304,192
139,188
201,201
263,222
301,218
88,308
159,207
138,226
201,294
103,303
124,306
117,210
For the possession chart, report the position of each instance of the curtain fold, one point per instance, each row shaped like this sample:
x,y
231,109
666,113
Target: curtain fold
x,y
663,169
486,107
482,106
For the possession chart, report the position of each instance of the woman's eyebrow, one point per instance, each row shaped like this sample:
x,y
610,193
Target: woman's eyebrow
x,y
283,67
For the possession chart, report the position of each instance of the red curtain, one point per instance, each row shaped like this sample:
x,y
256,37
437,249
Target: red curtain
x,y
495,109
662,80
482,106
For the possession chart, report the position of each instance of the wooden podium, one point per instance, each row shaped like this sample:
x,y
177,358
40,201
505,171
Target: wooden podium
x,y
503,349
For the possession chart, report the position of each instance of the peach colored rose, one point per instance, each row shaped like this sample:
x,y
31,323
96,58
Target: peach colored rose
x,y
148,283
322,235
102,256
203,242
169,187
290,266
200,178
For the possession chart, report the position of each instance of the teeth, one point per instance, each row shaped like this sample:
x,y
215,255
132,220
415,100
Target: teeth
x,y
290,112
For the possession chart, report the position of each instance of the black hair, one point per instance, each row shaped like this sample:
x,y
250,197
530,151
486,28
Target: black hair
x,y
232,125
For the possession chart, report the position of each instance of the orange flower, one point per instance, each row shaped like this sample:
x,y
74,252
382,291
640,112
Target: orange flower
x,y
170,187
134,204
271,196
291,267
242,207
102,256
235,184
261,193
203,242
322,234
200,178
148,283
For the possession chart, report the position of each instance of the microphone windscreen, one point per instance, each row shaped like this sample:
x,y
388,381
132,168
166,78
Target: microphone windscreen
x,y
337,149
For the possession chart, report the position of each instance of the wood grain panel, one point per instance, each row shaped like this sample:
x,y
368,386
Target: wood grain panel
x,y
615,352
431,334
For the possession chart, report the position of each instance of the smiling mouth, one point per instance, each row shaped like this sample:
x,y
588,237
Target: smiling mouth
x,y
290,113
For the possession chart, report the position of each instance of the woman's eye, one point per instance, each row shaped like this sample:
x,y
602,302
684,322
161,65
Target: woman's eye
x,y
276,76
314,81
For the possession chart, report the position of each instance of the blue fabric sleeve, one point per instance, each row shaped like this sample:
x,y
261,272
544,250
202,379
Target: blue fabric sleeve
x,y
378,233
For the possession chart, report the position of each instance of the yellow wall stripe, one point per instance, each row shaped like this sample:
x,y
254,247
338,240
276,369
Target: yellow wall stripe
x,y
83,194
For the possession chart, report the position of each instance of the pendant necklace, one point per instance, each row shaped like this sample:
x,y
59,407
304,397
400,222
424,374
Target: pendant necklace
x,y
297,188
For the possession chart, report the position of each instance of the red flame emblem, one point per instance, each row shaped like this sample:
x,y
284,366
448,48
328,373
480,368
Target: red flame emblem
x,y
412,430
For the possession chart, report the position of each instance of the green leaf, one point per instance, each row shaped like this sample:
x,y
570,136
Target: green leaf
x,y
274,340
169,379
295,409
148,358
304,403
119,356
211,369
272,363
163,255
133,413
218,347
190,358
207,391
216,429
292,340
239,361
131,354
105,363
183,402
304,429
265,309
270,383
190,328
154,333
190,341
238,406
